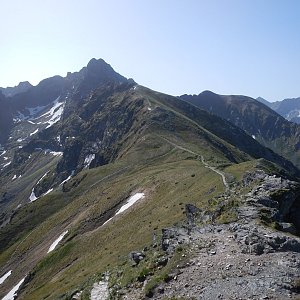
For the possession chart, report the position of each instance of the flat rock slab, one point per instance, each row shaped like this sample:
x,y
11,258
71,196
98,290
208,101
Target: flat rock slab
x,y
100,291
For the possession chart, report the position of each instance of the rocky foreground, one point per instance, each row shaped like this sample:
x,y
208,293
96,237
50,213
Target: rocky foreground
x,y
246,259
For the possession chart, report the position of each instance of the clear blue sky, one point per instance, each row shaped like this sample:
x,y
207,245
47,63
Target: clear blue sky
x,y
249,47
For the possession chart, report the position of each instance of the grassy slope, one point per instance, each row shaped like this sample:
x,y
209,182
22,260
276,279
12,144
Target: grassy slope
x,y
19,190
167,183
146,162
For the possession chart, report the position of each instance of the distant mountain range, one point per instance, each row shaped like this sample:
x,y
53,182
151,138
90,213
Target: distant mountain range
x,y
12,91
111,190
288,108
258,120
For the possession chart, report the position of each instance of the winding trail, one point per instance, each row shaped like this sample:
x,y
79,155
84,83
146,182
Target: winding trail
x,y
206,165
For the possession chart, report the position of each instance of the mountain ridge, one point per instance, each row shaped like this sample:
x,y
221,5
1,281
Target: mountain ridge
x,y
289,108
257,119
20,88
72,166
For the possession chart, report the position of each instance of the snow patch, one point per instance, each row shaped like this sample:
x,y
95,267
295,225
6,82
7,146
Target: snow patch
x,y
3,152
55,112
5,276
48,192
55,243
253,136
7,164
20,140
129,203
13,293
32,133
72,173
15,177
32,196
88,160
49,151
42,177
20,117
55,153
58,139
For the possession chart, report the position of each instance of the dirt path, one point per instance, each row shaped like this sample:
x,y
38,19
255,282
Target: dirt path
x,y
206,165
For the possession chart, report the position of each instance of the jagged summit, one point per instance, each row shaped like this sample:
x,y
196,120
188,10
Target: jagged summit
x,y
20,88
25,98
102,70
95,63
99,72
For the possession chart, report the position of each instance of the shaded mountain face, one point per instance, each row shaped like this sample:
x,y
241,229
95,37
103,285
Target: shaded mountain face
x,y
288,108
20,88
264,101
93,117
100,128
5,118
52,93
96,166
258,120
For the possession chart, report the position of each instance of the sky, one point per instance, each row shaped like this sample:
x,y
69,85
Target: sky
x,y
249,47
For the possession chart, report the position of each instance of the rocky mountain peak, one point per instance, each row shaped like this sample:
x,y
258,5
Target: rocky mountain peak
x,y
96,73
24,84
96,63
207,93
98,68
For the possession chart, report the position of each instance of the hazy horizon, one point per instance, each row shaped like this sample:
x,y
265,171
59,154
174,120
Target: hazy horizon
x,y
228,47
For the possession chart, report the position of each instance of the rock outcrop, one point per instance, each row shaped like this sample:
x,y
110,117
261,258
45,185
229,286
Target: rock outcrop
x,y
246,259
